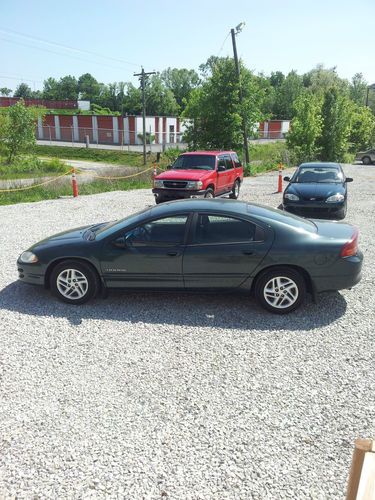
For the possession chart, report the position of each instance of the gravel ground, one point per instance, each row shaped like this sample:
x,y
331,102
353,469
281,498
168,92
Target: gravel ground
x,y
154,395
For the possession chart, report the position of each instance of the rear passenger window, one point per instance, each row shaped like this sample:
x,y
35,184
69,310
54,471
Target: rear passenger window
x,y
222,229
236,160
228,162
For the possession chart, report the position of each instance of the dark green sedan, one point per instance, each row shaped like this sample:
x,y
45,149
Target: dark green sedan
x,y
200,245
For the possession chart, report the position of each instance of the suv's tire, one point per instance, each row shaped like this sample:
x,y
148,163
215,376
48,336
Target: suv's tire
x,y
280,290
74,282
235,190
366,160
209,193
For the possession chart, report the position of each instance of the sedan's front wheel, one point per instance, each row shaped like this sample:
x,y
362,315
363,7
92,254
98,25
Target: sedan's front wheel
x,y
280,290
74,282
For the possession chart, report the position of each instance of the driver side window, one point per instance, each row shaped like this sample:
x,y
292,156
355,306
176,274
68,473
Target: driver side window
x,y
168,231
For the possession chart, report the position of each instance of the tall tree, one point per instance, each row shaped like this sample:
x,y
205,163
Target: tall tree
x,y
336,114
51,89
4,91
216,110
306,128
362,129
88,87
159,99
23,90
68,88
286,94
180,82
358,88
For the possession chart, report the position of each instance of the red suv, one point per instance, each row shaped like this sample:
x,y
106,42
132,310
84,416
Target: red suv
x,y
203,174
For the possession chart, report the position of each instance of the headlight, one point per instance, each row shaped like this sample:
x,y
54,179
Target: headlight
x,y
335,198
291,196
194,185
28,258
158,184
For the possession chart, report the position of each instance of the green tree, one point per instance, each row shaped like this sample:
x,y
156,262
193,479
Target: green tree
x,y
320,79
306,127
17,129
216,110
132,103
68,88
4,91
160,100
336,114
23,90
358,88
88,87
51,89
362,129
286,94
180,82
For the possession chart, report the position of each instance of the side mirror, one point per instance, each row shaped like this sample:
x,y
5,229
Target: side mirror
x,y
169,167
221,168
287,179
119,242
349,179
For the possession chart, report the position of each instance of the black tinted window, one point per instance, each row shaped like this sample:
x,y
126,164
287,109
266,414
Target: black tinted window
x,y
236,160
195,162
228,162
223,229
167,231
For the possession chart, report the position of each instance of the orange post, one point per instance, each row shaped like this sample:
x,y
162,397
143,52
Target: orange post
x,y
280,181
74,183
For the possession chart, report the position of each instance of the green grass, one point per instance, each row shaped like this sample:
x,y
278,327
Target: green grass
x,y
99,155
27,167
53,191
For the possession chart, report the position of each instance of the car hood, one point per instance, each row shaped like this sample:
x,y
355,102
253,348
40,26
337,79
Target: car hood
x,y
191,175
315,189
70,236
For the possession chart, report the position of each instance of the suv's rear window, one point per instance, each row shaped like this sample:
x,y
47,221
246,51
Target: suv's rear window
x,y
195,162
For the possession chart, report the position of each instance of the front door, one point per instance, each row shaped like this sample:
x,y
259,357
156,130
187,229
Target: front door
x,y
224,251
147,256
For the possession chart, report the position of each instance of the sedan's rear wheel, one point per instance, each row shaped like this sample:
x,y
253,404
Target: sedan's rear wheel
x,y
74,282
280,290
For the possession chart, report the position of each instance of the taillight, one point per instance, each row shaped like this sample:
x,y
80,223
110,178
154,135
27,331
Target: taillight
x,y
351,247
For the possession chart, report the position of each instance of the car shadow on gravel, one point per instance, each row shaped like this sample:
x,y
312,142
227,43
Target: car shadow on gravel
x,y
227,311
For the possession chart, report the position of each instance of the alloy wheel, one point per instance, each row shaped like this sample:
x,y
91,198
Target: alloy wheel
x,y
281,292
72,284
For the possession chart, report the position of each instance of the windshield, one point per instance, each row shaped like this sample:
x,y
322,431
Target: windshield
x,y
194,162
318,174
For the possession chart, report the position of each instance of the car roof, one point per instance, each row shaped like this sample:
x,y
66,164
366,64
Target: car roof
x,y
326,164
209,153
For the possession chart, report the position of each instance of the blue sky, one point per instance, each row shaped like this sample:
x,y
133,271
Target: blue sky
x,y
279,35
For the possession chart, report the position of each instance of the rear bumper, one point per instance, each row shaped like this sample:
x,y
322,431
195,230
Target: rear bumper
x,y
346,273
177,194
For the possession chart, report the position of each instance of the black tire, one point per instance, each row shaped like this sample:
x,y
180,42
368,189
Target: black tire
x,y
288,277
235,190
83,284
209,193
159,200
366,160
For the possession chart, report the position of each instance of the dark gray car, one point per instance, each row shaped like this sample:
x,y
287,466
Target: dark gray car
x,y
366,157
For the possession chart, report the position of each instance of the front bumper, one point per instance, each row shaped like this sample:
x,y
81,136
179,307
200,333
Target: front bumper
x,y
177,194
30,273
311,208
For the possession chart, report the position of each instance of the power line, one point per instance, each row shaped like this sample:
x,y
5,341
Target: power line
x,y
61,54
66,47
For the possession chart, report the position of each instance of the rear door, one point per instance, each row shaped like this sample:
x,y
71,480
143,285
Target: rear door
x,y
223,251
231,173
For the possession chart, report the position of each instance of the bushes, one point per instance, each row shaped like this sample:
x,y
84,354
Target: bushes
x,y
30,166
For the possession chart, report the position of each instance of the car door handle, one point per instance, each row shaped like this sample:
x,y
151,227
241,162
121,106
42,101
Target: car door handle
x,y
172,254
248,252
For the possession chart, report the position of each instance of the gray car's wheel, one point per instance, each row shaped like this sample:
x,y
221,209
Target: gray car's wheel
x,y
235,190
74,282
366,160
280,290
209,193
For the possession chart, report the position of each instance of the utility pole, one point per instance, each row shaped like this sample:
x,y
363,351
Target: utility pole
x,y
235,32
142,78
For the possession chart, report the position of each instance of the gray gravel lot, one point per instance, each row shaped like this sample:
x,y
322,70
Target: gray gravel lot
x,y
155,395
